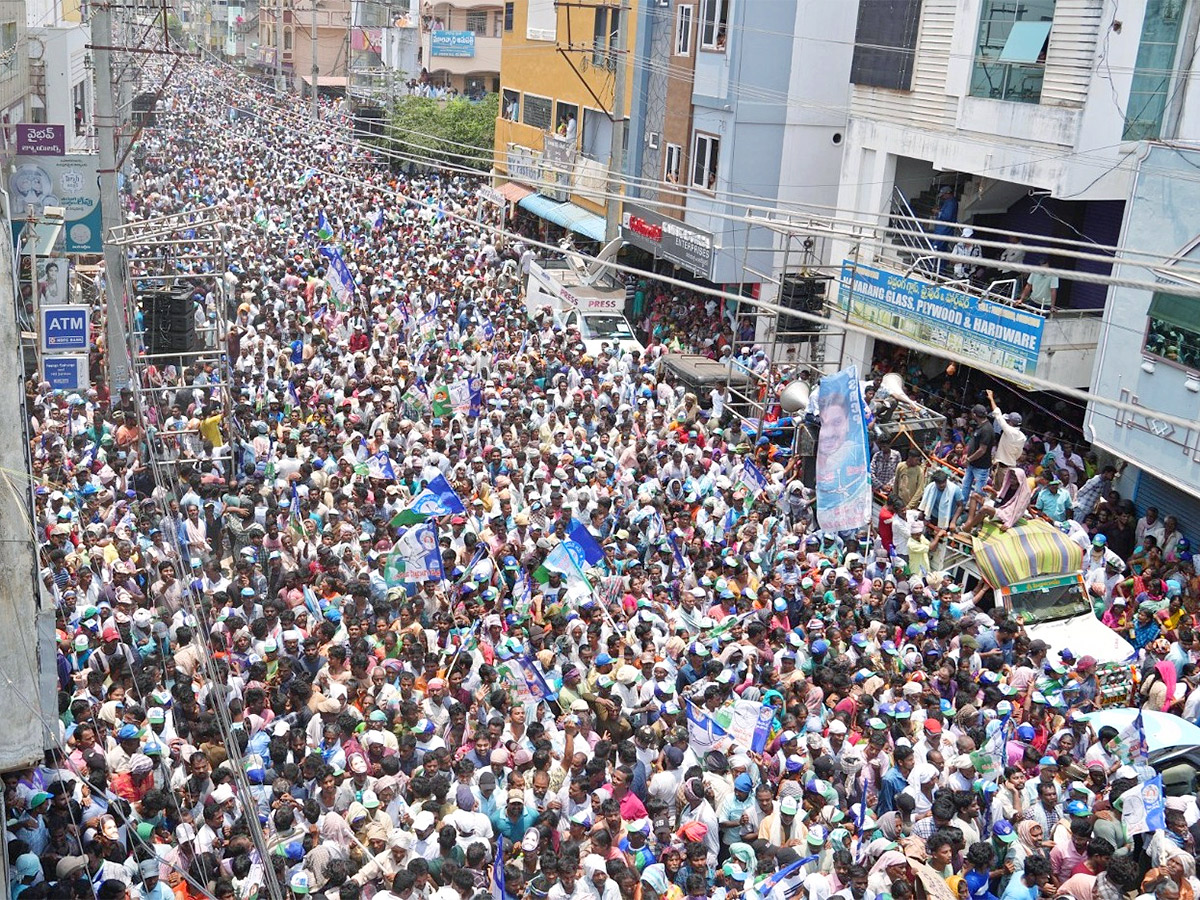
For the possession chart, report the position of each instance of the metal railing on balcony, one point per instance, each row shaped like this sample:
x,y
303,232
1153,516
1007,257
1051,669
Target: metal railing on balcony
x,y
913,248
908,236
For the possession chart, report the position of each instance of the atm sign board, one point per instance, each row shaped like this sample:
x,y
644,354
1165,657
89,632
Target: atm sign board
x,y
64,329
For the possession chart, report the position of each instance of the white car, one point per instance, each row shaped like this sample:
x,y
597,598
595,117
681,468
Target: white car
x,y
601,328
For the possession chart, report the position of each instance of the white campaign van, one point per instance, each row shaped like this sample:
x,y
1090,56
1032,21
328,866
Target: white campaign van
x,y
596,309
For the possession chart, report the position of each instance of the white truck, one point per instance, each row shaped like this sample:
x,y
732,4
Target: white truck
x,y
1034,569
595,309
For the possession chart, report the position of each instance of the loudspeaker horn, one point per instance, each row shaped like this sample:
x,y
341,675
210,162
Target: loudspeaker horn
x,y
893,385
794,398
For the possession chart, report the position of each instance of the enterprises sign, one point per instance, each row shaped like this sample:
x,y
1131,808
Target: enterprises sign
x,y
669,239
992,332
460,44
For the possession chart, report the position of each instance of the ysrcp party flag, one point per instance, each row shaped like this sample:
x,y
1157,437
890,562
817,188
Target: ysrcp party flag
x,y
341,282
704,732
324,229
753,478
438,499
416,558
1143,808
380,466
592,551
567,559
843,457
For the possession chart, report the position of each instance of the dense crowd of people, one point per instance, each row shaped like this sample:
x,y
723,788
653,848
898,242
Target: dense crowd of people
x,y
718,699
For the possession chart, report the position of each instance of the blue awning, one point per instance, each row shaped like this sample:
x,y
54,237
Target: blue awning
x,y
568,215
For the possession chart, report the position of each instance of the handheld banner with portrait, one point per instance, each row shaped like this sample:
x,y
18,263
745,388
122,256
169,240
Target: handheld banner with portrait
x,y
843,455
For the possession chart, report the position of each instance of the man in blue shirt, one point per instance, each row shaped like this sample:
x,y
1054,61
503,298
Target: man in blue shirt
x,y
515,819
895,779
1054,501
1027,884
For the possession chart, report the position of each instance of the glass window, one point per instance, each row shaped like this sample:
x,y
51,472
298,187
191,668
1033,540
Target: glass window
x,y
685,25
1154,70
1010,56
508,16
605,25
597,135
477,22
537,112
705,152
714,22
287,39
672,163
885,44
79,101
1173,330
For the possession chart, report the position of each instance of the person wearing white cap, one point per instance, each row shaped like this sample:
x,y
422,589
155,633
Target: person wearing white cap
x,y
300,885
182,854
784,826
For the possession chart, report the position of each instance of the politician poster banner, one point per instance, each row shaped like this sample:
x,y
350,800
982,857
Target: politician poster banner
x,y
943,317
843,457
70,182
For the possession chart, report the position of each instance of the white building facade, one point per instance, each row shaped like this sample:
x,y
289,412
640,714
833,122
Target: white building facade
x,y
1029,115
1149,349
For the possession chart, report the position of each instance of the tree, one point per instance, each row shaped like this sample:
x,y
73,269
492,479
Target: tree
x,y
428,132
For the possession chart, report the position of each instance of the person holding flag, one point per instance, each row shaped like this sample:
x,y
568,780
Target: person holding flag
x,y
500,611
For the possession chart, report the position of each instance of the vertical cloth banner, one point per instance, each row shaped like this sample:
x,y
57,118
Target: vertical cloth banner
x,y
538,687
498,892
843,457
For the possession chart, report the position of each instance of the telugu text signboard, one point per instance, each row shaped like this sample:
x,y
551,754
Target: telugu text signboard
x,y
68,181
456,44
942,317
41,140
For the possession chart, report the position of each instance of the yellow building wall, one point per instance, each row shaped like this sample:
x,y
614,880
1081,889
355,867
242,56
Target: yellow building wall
x,y
538,67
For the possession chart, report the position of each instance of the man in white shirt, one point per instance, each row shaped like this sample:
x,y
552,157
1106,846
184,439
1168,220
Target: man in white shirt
x,y
1012,439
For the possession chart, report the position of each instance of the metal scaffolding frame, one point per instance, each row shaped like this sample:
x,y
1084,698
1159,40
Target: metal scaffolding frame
x,y
801,245
153,266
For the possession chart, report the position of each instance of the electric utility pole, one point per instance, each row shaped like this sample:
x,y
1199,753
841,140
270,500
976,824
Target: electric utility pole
x,y
108,131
